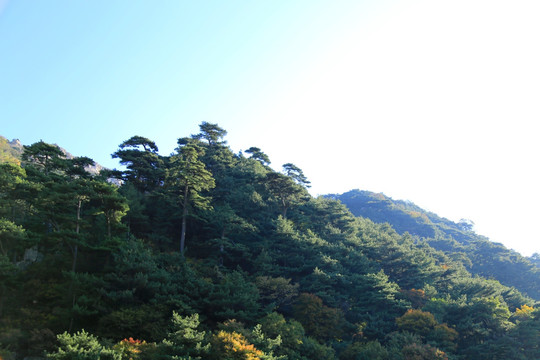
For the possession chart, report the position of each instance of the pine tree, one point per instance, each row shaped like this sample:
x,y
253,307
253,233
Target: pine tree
x,y
188,179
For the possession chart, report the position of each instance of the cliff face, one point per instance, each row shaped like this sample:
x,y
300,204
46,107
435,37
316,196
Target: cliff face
x,y
93,169
16,145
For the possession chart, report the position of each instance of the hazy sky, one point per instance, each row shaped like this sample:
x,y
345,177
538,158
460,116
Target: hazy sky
x,y
437,102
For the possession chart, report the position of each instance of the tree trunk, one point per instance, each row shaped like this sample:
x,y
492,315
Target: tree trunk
x,y
75,251
184,218
77,230
108,217
2,297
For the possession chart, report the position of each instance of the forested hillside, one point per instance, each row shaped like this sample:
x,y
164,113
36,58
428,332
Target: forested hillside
x,y
211,254
458,240
10,151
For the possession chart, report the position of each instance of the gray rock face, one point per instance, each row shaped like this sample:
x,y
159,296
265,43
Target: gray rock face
x,y
31,255
16,144
93,169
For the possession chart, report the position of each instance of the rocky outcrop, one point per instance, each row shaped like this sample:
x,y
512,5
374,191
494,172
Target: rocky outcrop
x,y
16,149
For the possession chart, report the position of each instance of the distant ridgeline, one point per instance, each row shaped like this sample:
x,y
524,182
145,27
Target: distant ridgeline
x,y
479,255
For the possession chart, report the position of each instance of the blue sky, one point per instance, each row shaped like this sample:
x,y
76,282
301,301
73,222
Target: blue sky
x,y
430,101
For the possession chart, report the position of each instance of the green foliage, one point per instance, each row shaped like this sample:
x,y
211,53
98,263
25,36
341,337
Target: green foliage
x,y
8,153
420,351
44,156
212,133
311,349
145,168
187,179
234,297
424,325
184,339
79,252
258,155
285,191
291,333
149,287
13,239
146,322
275,292
417,322
371,350
456,240
15,192
82,346
189,175
266,344
476,321
295,173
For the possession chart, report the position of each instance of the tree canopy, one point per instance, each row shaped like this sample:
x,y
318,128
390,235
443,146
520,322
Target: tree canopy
x,y
210,254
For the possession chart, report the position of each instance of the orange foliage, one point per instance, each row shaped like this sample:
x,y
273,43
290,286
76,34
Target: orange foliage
x,y
131,347
131,341
233,345
524,312
416,297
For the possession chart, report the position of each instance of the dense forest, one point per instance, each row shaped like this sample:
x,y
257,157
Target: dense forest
x,y
458,240
210,254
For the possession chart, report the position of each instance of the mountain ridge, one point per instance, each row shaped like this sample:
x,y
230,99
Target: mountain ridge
x,y
482,256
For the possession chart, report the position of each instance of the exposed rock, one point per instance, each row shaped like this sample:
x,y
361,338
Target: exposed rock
x,y
16,144
31,255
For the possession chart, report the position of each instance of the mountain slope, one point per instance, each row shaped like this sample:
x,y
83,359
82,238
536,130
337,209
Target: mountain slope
x,y
10,151
477,253
263,260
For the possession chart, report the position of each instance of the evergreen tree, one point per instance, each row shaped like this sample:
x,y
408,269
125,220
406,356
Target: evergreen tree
x,y
258,155
146,169
188,179
184,338
82,346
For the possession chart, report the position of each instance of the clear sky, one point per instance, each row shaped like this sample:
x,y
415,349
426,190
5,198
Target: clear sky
x,y
437,102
